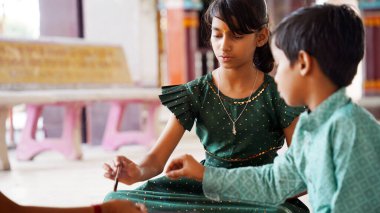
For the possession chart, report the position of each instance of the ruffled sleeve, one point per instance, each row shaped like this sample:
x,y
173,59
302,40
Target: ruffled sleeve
x,y
287,113
177,99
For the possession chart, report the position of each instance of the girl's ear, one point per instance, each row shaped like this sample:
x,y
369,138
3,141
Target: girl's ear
x,y
304,62
262,37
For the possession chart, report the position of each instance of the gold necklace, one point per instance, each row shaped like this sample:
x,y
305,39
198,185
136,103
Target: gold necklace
x,y
225,109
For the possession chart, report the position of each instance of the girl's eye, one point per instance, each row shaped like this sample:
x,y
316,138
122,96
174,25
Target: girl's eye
x,y
216,35
238,36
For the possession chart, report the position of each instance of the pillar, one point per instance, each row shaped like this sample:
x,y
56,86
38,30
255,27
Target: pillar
x,y
181,39
371,16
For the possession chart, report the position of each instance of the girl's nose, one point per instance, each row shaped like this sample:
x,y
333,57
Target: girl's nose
x,y
226,44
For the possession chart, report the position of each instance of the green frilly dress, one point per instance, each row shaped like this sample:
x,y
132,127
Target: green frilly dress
x,y
259,135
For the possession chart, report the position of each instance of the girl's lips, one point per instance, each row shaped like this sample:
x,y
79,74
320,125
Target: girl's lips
x,y
226,58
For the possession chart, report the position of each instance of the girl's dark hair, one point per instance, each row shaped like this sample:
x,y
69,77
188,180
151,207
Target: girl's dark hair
x,y
333,35
243,17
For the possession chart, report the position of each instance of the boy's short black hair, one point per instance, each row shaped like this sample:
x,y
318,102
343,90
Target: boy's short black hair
x,y
333,35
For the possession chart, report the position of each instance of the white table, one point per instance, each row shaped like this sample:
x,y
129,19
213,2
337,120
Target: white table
x,y
68,98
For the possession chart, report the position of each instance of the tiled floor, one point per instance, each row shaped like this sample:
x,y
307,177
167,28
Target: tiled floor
x,y
51,180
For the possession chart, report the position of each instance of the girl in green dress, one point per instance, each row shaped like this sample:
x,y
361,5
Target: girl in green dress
x,y
240,118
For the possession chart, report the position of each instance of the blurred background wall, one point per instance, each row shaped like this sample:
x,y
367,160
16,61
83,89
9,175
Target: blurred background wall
x,y
163,41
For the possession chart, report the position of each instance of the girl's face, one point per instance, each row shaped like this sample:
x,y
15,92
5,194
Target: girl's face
x,y
232,50
288,78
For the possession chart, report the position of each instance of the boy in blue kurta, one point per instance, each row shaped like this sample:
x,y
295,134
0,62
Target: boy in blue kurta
x,y
335,150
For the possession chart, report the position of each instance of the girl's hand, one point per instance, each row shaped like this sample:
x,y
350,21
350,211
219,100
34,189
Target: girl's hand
x,y
129,173
121,206
185,166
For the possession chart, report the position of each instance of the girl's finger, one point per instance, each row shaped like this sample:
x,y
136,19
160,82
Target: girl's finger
x,y
108,175
107,168
121,160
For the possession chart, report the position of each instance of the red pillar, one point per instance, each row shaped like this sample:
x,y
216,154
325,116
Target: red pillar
x,y
191,24
372,55
371,79
181,39
175,48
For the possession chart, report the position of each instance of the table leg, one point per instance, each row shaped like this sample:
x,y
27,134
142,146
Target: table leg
x,y
69,144
3,145
114,138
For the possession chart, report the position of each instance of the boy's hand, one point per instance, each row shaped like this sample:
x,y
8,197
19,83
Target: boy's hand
x,y
129,173
185,166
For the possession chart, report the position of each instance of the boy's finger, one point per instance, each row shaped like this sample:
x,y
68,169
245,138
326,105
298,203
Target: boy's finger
x,y
176,162
175,174
171,176
173,167
170,166
169,169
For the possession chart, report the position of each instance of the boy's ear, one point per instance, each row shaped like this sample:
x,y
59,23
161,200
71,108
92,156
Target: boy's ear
x,y
304,62
262,37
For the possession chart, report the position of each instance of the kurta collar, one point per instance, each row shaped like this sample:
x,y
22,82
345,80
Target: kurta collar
x,y
324,110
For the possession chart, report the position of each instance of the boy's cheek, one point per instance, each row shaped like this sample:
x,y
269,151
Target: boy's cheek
x,y
276,78
280,88
279,78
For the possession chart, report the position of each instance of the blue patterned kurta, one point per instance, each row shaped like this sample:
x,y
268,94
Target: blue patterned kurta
x,y
335,155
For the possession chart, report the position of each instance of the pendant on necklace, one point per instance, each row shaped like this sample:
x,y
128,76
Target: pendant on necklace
x,y
233,128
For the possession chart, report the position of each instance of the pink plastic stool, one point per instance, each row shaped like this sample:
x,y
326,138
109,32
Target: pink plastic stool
x,y
68,144
114,138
